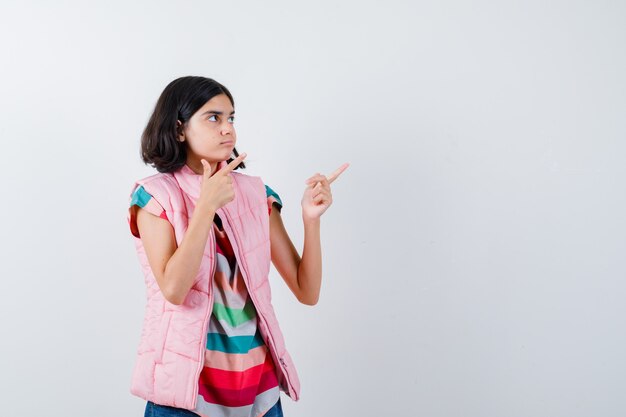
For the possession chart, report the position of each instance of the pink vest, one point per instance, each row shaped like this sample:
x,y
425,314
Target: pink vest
x,y
171,349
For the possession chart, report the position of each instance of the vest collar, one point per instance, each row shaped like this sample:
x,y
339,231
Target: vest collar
x,y
191,182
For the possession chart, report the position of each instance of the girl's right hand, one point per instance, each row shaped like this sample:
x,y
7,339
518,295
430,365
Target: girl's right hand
x,y
217,189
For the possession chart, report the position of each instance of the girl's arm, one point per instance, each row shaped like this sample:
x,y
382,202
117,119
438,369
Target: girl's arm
x,y
303,275
174,268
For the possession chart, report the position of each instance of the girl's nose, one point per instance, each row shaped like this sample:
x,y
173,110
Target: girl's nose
x,y
227,129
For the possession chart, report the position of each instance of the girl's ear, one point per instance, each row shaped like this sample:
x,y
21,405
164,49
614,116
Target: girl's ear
x,y
179,131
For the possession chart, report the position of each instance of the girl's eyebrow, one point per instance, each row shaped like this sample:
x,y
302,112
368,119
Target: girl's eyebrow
x,y
216,112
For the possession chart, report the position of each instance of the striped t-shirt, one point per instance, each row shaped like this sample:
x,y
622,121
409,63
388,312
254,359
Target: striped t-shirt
x,y
239,376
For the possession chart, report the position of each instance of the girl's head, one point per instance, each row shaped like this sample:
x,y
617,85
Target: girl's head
x,y
192,120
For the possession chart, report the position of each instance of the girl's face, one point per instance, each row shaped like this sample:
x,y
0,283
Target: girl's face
x,y
210,134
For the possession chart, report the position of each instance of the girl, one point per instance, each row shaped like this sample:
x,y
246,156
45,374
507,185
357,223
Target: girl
x,y
205,235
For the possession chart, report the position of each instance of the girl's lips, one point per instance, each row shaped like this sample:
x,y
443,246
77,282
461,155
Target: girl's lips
x,y
230,142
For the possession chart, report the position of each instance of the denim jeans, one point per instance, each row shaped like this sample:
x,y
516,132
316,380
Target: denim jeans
x,y
157,410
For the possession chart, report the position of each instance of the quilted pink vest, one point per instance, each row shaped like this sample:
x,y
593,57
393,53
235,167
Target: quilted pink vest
x,y
171,349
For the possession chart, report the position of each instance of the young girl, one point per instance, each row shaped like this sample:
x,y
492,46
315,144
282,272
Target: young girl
x,y
205,235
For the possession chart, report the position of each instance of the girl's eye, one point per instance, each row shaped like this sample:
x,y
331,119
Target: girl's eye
x,y
232,118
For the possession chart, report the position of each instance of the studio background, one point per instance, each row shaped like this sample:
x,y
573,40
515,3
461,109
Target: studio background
x,y
473,255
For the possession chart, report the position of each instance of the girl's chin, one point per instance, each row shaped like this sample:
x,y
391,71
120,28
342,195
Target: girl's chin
x,y
218,156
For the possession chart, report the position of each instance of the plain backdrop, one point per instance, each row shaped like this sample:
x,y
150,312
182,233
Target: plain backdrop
x,y
474,254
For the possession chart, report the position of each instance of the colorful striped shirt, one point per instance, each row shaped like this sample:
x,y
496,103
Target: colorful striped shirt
x,y
239,376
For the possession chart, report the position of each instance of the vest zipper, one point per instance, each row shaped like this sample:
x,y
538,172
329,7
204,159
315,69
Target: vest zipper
x,y
213,250
254,301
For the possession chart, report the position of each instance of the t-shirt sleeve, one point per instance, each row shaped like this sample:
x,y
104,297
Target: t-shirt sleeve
x,y
273,200
140,198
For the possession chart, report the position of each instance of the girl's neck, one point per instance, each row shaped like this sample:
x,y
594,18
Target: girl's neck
x,y
197,167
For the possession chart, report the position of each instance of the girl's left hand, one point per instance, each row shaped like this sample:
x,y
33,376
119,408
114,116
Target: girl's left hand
x,y
317,196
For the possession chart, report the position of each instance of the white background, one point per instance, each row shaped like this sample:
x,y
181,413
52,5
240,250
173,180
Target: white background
x,y
474,253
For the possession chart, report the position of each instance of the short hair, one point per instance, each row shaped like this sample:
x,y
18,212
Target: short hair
x,y
181,98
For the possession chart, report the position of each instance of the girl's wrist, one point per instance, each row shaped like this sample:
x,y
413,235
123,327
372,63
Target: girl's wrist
x,y
312,221
206,209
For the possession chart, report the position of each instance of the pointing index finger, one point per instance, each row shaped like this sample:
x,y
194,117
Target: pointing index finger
x,y
332,177
233,164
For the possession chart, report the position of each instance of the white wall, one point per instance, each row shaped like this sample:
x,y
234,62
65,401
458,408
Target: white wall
x,y
474,253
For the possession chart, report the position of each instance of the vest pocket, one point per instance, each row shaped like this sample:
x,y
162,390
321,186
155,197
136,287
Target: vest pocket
x,y
286,372
291,374
163,330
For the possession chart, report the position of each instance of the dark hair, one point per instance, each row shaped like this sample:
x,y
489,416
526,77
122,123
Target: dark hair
x,y
178,101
